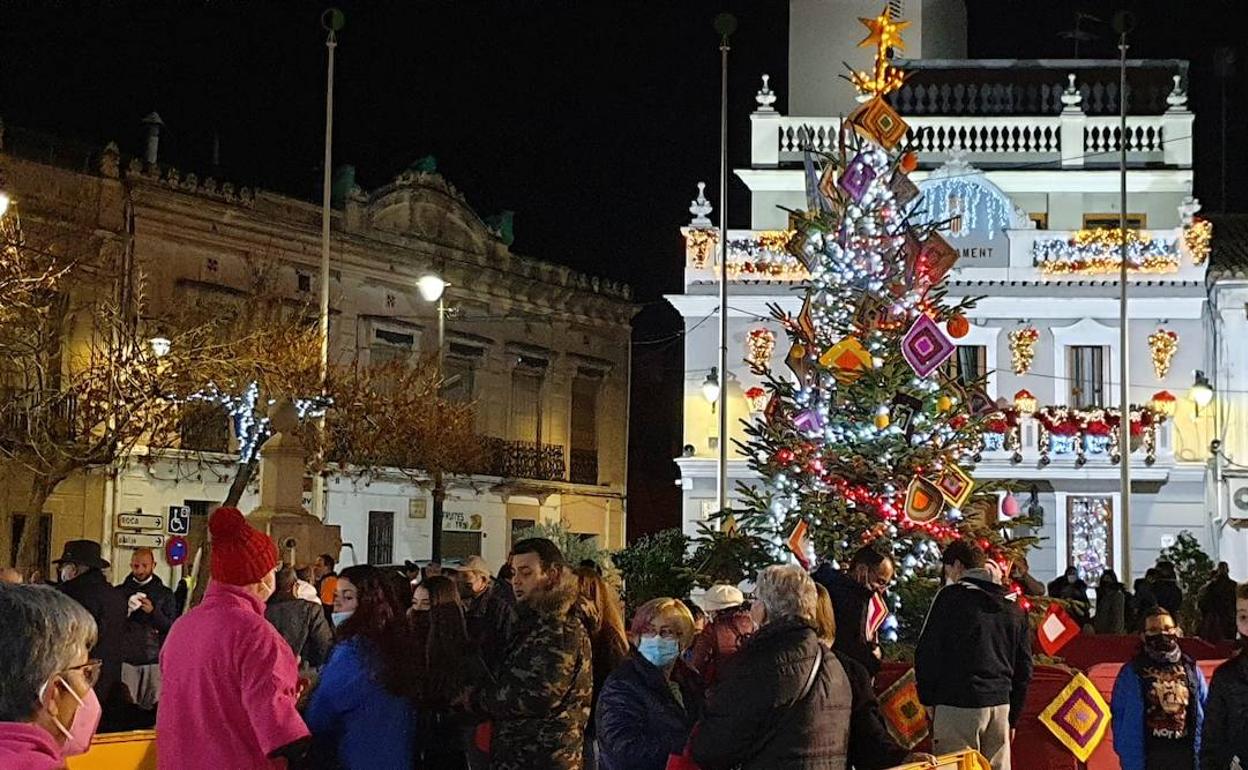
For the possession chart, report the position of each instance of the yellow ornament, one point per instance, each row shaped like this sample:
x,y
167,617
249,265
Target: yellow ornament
x,y
944,403
881,417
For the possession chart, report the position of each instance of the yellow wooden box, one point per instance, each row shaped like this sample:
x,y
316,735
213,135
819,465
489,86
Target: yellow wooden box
x,y
134,750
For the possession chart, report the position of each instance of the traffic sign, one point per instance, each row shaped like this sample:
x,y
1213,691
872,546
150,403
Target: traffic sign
x,y
176,550
138,540
179,520
140,521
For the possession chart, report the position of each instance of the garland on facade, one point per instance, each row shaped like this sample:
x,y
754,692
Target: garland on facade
x,y
1098,251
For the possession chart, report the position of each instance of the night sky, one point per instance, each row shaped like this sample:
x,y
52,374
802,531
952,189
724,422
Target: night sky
x,y
591,119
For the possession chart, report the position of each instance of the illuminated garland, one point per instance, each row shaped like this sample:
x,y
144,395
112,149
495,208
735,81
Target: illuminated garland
x,y
760,344
956,200
251,425
699,245
765,256
1023,348
1197,238
1163,344
1098,252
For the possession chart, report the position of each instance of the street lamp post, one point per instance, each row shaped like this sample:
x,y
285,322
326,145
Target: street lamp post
x,y
433,289
1124,21
332,21
725,25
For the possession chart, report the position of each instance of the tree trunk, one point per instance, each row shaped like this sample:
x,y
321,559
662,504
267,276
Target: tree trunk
x,y
203,565
28,542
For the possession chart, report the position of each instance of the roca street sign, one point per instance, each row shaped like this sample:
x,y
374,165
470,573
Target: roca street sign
x,y
138,540
140,521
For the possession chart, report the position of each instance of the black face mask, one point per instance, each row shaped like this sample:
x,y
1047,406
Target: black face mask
x,y
1162,646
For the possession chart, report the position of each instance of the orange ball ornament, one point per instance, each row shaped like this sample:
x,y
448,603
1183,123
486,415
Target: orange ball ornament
x,y
909,161
957,326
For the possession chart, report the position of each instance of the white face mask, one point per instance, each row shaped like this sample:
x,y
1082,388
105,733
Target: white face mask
x,y
341,617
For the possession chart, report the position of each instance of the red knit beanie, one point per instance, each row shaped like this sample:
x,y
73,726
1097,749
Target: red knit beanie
x,y
241,555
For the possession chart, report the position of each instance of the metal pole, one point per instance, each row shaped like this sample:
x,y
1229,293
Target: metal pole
x,y
331,42
439,484
1124,394
725,24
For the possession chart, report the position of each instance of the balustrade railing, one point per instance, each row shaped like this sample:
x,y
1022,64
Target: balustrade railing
x,y
523,460
583,466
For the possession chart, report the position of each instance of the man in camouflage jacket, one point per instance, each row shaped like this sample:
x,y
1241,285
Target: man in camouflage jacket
x,y
538,696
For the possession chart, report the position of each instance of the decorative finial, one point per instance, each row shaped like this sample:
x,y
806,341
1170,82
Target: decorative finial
x,y
700,207
765,97
1177,98
1071,98
1188,209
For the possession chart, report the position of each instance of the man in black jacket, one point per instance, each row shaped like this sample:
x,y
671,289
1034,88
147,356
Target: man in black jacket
x,y
1169,594
152,610
973,661
762,714
81,579
853,591
300,622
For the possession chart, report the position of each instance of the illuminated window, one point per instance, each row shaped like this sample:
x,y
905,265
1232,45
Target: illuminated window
x,y
1087,376
1041,218
1090,535
1110,221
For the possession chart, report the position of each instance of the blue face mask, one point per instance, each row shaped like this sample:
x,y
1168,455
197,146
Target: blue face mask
x,y
659,651
341,617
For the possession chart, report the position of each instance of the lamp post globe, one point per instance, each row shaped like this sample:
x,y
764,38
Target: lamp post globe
x,y
430,287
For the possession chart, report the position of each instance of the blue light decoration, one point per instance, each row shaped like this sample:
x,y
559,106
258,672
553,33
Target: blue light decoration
x,y
961,195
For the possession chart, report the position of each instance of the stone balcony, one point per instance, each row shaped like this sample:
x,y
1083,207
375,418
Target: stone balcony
x,y
1073,137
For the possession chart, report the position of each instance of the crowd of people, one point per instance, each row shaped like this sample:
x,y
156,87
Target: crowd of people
x,y
539,667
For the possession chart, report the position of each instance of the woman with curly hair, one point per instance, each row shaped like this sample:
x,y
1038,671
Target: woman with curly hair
x,y
362,705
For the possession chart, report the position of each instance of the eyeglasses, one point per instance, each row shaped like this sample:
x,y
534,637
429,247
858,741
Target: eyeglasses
x,y
90,671
663,633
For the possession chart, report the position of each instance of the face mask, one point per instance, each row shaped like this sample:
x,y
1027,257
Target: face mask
x,y
341,617
86,719
659,651
1162,646
68,573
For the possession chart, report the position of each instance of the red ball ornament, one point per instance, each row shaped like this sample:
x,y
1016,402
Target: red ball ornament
x,y
784,456
957,326
909,162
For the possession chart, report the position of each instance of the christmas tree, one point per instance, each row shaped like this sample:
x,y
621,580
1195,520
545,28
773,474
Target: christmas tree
x,y
871,440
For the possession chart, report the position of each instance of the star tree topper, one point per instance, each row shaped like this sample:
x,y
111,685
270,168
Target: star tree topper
x,y
885,33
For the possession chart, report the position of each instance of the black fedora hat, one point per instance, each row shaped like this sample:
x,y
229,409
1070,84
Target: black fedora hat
x,y
82,552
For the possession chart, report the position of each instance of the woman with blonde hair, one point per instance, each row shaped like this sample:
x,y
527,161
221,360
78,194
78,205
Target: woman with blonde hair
x,y
604,622
650,703
825,617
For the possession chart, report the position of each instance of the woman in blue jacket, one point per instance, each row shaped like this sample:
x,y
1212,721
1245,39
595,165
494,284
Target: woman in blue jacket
x,y
649,704
361,708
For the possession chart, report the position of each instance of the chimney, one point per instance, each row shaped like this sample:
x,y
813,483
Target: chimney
x,y
153,123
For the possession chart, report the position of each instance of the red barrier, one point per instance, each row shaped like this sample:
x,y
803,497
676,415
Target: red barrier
x,y
1086,650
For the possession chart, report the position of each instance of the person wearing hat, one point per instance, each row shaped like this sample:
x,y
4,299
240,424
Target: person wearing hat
x,y
730,626
230,682
80,569
489,608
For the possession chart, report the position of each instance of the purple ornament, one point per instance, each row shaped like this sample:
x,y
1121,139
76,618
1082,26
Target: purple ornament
x,y
808,420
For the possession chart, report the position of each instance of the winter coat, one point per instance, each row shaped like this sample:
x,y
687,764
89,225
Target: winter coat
x,y
28,746
719,641
1111,609
145,632
108,606
1072,591
1217,609
640,722
850,600
538,696
234,681
975,648
1226,716
302,624
368,726
490,618
1169,596
1127,709
747,720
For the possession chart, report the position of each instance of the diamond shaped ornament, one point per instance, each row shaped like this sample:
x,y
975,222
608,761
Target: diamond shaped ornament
x,y
923,500
879,122
848,359
925,347
856,178
904,191
955,485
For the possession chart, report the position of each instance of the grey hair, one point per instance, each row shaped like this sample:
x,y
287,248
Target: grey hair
x,y
787,592
44,633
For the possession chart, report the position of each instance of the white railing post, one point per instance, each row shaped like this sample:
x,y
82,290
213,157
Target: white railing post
x,y
1072,124
1176,128
765,128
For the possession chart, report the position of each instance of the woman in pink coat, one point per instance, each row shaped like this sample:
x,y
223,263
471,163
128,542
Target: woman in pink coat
x,y
230,681
48,710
